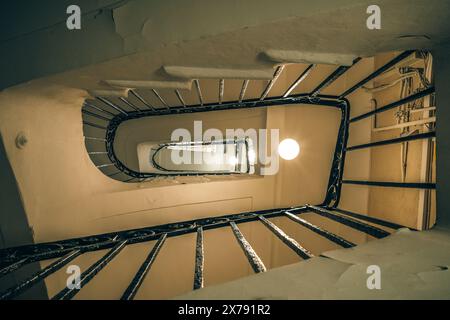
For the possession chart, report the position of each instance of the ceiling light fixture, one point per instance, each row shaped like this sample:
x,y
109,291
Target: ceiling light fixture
x,y
288,149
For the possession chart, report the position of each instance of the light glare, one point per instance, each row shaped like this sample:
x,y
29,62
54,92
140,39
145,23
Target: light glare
x,y
288,149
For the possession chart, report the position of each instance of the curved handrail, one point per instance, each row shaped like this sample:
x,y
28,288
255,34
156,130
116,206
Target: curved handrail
x,y
123,173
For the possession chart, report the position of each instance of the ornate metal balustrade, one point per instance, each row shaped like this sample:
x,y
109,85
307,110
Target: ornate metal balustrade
x,y
104,140
11,259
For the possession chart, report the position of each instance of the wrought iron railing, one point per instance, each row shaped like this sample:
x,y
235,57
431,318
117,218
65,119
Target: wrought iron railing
x,y
103,142
67,250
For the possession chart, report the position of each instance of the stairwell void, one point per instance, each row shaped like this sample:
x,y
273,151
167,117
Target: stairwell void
x,y
103,116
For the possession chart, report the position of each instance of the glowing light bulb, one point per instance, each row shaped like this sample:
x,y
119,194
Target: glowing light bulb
x,y
288,149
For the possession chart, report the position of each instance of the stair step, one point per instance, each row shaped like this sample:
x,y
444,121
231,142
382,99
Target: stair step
x,y
216,73
150,84
291,56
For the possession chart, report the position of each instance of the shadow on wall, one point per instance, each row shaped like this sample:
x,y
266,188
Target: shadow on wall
x,y
442,75
14,228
